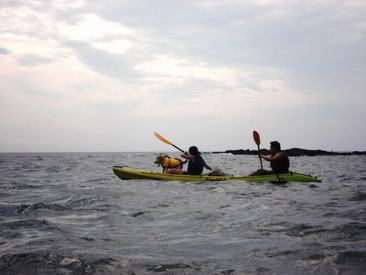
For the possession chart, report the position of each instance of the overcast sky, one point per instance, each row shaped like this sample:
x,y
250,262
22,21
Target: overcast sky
x,y
104,75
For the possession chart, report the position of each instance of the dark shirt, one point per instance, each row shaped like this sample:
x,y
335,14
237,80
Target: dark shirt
x,y
195,167
281,165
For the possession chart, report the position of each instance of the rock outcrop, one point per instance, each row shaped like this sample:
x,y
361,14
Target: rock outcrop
x,y
293,152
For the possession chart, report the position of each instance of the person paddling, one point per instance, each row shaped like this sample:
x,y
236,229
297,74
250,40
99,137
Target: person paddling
x,y
195,163
278,159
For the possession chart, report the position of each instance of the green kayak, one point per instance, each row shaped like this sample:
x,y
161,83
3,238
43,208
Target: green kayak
x,y
128,174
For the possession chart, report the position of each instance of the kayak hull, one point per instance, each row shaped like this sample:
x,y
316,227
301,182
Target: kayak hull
x,y
129,174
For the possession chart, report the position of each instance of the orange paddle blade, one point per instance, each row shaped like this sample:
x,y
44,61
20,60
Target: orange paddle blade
x,y
256,138
162,139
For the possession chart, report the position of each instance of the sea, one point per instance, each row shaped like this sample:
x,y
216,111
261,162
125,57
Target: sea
x,y
67,213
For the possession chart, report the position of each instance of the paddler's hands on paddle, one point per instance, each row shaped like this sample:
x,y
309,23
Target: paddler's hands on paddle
x,y
261,156
270,158
186,155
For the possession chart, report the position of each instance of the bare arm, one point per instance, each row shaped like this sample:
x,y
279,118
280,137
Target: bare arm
x,y
275,157
187,156
207,166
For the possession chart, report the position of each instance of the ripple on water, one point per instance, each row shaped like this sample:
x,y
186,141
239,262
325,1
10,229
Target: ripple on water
x,y
358,196
51,263
350,232
38,224
13,210
351,262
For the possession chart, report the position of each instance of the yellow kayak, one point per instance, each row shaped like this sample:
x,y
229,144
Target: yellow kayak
x,y
128,174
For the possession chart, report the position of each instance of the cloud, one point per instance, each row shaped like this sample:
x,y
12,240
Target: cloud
x,y
32,60
82,66
4,51
119,46
29,45
104,62
90,27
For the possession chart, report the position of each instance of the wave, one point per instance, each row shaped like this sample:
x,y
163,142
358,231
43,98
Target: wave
x,y
42,225
51,263
351,232
359,196
352,257
170,267
351,262
10,210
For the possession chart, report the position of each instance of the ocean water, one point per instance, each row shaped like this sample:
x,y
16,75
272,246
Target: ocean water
x,y
67,213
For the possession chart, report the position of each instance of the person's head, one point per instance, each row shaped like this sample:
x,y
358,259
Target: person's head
x,y
275,146
193,150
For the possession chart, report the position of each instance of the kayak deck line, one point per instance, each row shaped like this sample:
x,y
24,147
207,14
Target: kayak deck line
x,y
129,174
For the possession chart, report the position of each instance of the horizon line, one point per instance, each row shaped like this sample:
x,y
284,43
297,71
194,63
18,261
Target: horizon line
x,y
211,151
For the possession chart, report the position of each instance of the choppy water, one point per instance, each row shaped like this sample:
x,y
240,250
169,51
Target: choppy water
x,y
68,213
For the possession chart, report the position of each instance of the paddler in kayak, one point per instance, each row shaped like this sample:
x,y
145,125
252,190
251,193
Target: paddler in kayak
x,y
195,163
278,160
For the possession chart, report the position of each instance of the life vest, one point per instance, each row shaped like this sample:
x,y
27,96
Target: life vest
x,y
195,167
171,163
281,165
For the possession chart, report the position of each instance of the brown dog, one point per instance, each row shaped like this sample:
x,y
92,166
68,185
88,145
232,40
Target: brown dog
x,y
166,162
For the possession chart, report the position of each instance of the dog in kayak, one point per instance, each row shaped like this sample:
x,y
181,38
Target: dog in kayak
x,y
167,162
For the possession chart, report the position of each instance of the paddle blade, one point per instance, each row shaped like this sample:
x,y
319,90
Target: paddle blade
x,y
256,138
162,139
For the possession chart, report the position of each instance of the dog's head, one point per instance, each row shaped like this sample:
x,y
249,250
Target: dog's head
x,y
159,159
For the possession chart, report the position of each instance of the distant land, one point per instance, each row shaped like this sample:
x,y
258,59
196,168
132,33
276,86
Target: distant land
x,y
293,152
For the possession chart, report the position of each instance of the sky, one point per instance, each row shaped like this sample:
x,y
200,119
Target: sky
x,y
102,76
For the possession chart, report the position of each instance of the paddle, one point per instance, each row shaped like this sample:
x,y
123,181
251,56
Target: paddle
x,y
166,141
257,140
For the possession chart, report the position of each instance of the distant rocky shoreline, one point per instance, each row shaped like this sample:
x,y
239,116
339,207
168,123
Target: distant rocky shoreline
x,y
293,152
